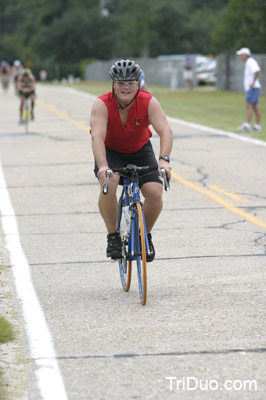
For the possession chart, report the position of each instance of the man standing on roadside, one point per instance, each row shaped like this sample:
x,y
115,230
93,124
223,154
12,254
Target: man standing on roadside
x,y
252,89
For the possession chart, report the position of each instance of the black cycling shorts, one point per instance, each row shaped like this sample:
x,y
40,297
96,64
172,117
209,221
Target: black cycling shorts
x,y
26,95
145,156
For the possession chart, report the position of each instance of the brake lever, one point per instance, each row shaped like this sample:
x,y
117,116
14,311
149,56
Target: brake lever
x,y
108,174
165,179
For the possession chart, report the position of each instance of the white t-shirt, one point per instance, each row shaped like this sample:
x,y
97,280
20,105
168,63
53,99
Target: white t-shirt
x,y
251,66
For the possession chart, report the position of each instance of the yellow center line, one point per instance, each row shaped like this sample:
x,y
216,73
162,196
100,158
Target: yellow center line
x,y
231,195
63,114
219,200
214,197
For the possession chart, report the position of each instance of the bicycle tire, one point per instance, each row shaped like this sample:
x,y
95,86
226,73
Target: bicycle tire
x,y
125,266
26,116
125,269
140,244
5,84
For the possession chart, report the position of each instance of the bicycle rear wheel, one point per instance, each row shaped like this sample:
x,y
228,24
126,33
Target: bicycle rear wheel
x,y
5,83
125,265
140,246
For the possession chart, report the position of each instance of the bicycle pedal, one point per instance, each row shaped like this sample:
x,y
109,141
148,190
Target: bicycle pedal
x,y
115,258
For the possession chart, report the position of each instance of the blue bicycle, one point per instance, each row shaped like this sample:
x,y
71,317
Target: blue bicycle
x,y
132,227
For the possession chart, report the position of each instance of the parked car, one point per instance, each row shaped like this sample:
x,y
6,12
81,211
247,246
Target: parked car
x,y
206,71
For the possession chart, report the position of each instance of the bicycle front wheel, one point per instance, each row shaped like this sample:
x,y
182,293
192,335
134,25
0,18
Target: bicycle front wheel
x,y
140,246
26,118
125,265
125,269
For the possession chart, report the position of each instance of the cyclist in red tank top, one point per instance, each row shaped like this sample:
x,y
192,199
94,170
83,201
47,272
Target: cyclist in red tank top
x,y
120,135
132,136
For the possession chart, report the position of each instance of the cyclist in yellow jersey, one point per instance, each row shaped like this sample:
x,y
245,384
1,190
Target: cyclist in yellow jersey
x,y
26,87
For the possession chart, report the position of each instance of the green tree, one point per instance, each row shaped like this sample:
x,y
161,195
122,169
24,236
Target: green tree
x,y
167,27
89,36
170,27
50,33
242,25
198,29
62,31
134,30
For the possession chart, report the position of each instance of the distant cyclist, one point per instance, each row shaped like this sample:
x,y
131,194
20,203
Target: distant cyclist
x,y
16,72
26,87
142,82
5,72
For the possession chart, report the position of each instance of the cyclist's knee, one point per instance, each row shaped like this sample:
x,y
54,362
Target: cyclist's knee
x,y
152,190
114,181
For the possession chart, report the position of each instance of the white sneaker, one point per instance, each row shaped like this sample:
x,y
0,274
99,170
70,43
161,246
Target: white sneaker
x,y
256,128
244,127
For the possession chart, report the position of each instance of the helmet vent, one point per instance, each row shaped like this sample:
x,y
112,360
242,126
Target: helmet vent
x,y
125,70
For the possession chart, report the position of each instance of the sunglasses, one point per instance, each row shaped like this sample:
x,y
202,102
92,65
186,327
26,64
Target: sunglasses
x,y
122,84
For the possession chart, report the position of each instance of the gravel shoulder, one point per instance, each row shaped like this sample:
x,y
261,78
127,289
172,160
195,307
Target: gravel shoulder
x,y
12,354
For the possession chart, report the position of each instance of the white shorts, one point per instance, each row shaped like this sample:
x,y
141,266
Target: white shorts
x,y
188,75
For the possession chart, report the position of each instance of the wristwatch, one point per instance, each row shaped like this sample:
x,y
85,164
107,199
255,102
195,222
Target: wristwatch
x,y
165,158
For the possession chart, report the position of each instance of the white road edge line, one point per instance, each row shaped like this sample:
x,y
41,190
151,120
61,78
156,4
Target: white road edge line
x,y
47,372
186,123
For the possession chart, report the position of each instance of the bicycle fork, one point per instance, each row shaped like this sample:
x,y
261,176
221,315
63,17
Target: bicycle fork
x,y
135,242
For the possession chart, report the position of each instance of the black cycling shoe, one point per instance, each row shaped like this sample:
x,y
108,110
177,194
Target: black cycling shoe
x,y
150,257
114,246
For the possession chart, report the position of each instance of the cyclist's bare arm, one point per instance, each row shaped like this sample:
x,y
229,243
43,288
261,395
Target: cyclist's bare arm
x,y
98,122
19,83
33,81
159,122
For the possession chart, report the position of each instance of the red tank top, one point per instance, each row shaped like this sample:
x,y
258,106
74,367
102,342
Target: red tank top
x,y
133,136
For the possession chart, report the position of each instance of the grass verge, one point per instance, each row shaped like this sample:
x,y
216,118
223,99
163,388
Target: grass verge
x,y
6,331
2,394
6,335
218,109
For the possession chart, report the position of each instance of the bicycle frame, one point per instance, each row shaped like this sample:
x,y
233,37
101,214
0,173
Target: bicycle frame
x,y
130,195
133,233
26,112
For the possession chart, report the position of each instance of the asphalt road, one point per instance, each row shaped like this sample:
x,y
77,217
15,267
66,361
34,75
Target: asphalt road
x,y
202,333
